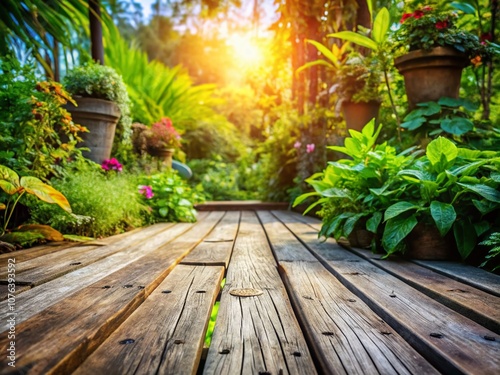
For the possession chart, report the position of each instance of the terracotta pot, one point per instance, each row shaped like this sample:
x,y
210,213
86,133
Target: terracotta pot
x,y
164,156
100,117
425,243
430,75
357,115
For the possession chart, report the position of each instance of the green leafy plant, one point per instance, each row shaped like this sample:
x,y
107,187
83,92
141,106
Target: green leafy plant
x,y
103,203
453,116
16,188
427,28
494,242
102,82
170,197
450,188
37,134
345,187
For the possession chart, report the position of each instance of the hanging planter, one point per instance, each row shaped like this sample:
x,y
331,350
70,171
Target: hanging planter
x,y
100,117
431,75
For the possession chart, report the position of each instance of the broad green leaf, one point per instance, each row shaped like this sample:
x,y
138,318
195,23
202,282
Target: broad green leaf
x,y
465,237
485,191
458,102
381,25
468,169
373,222
429,108
359,39
303,197
444,216
396,230
419,174
320,201
314,63
484,207
413,124
441,147
464,7
481,227
44,192
325,52
398,208
495,176
9,180
163,211
350,224
457,125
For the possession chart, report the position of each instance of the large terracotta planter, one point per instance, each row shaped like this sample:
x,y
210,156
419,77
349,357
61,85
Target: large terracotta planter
x,y
425,243
357,115
430,75
100,117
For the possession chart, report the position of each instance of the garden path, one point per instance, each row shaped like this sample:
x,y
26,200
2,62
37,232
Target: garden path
x,y
140,303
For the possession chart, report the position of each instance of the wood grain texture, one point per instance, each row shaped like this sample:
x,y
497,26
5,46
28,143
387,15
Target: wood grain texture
x,y
241,205
216,248
451,342
41,297
4,291
476,277
256,335
62,336
476,304
347,336
50,266
168,329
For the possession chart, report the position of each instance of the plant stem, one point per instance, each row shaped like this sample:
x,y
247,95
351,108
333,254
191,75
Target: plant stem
x,y
389,92
12,211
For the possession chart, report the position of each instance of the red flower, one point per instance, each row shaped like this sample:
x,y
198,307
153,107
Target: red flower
x,y
441,25
427,8
405,17
418,14
486,37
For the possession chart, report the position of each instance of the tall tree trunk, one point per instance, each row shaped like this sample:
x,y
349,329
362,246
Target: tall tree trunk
x,y
57,70
97,47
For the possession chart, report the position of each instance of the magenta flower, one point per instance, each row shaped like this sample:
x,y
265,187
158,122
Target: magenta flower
x,y
111,165
147,191
310,148
297,145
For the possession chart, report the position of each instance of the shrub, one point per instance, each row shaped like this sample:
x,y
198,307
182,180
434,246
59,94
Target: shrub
x,y
103,204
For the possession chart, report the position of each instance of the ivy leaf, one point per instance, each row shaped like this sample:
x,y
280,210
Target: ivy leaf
x,y
444,216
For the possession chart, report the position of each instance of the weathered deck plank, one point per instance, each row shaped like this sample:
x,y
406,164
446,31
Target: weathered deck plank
x,y
256,335
347,336
166,333
476,304
216,248
55,342
451,342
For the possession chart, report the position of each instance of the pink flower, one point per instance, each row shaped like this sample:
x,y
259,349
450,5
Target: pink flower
x,y
147,191
297,145
111,165
310,148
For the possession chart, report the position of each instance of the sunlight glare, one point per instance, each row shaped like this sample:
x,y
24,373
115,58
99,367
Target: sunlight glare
x,y
247,52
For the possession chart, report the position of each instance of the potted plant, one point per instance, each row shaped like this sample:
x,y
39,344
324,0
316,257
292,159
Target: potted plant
x,y
348,207
162,139
102,102
449,196
357,85
436,51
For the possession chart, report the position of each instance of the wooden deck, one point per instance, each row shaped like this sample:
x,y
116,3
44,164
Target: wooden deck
x,y
140,302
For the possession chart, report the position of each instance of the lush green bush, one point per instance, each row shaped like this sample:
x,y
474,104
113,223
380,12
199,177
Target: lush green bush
x,y
170,197
103,203
37,135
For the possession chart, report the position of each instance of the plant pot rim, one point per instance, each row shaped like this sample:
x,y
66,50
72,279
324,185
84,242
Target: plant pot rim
x,y
444,52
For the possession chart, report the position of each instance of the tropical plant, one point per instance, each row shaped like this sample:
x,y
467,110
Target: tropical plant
x,y
102,82
37,134
170,197
493,241
450,188
16,188
345,188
